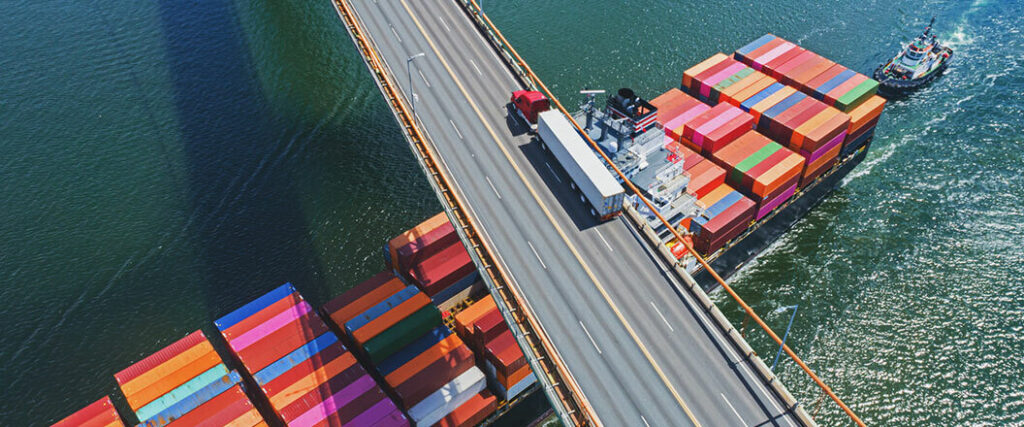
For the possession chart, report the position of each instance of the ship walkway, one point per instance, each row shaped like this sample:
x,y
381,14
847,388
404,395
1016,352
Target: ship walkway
x,y
615,335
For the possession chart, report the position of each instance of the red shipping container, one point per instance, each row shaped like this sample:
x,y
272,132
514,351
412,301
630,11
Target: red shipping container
x,y
807,71
305,368
833,95
347,396
219,410
159,357
740,213
824,77
448,266
426,245
504,353
782,72
434,376
751,90
354,408
99,413
279,343
322,392
791,125
245,325
488,328
689,74
471,413
776,125
354,301
770,67
763,49
704,177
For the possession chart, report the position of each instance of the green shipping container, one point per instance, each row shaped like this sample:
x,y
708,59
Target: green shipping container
x,y
857,95
401,334
736,175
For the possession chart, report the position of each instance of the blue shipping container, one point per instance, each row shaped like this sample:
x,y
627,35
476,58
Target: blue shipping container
x,y
412,350
752,46
760,96
183,391
256,305
296,357
383,307
193,401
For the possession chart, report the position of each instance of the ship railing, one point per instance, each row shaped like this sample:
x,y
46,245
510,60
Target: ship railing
x,y
567,401
532,81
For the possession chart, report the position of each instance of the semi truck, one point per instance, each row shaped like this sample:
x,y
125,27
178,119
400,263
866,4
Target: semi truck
x,y
589,176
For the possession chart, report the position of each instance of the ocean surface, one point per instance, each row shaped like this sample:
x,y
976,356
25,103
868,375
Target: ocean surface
x,y
165,162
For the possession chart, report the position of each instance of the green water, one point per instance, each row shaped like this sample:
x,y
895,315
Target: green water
x,y
164,162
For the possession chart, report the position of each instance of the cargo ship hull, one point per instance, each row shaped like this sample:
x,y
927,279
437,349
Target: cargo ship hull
x,y
748,246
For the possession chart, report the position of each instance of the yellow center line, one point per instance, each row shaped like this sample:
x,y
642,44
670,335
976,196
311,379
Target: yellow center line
x,y
551,218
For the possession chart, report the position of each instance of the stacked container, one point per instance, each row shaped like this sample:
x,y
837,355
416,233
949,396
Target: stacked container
x,y
675,108
484,327
727,213
762,170
429,370
186,380
100,414
704,175
863,120
713,129
307,375
432,257
825,80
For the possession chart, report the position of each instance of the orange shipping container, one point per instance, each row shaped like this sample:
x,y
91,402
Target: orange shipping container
x,y
471,413
391,317
757,109
414,233
865,113
465,320
155,383
779,176
751,90
312,381
343,314
819,130
423,360
513,379
692,72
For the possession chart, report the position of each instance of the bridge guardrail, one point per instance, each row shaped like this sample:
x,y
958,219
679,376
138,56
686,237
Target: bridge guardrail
x,y
562,390
522,69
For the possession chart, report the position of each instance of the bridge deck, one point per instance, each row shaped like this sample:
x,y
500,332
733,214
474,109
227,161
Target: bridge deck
x,y
638,345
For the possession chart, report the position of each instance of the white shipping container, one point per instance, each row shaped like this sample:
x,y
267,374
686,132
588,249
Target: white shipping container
x,y
450,396
594,180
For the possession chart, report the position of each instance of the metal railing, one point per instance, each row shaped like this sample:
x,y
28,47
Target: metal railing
x,y
561,389
531,80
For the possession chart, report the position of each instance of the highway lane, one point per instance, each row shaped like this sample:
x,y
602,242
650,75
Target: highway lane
x,y
521,232
696,358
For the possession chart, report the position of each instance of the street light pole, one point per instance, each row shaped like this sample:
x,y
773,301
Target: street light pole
x,y
784,336
412,92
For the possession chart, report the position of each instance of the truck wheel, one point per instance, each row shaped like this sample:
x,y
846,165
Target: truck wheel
x,y
583,199
543,146
593,212
572,185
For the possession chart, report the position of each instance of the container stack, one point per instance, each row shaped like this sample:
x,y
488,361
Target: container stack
x,y
675,108
187,380
100,414
727,213
716,127
432,257
704,175
863,120
429,370
507,369
762,170
306,374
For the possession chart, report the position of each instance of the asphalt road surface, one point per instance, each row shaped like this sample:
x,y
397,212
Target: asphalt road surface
x,y
638,345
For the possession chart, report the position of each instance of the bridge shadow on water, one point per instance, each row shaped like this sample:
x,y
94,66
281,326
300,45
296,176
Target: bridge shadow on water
x,y
245,211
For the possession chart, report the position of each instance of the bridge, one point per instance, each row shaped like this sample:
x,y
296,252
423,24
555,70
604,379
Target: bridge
x,y
616,334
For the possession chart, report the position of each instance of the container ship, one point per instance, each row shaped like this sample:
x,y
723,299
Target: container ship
x,y
733,157
421,343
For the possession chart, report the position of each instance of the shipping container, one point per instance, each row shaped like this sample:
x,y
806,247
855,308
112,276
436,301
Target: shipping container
x,y
777,55
858,142
766,207
505,355
737,95
308,395
762,95
316,385
171,373
452,395
690,73
744,52
443,269
219,410
359,299
704,177
459,291
389,303
254,306
865,113
323,403
426,245
98,413
801,76
383,413
670,104
187,389
766,49
471,413
488,328
323,343
717,127
692,108
400,335
325,364
681,153
282,341
410,236
421,361
511,392
589,174
414,349
727,89
782,72
279,320
434,376
723,226
195,400
262,316
465,319
819,130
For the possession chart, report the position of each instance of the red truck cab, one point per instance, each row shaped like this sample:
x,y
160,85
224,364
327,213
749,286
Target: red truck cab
x,y
528,103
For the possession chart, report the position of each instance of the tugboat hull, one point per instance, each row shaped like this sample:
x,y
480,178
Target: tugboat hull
x,y
890,87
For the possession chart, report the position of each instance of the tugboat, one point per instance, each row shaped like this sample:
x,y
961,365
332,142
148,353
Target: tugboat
x,y
920,62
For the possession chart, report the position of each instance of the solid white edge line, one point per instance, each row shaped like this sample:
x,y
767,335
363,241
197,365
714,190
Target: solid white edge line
x,y
591,337
536,255
663,319
733,409
493,188
456,128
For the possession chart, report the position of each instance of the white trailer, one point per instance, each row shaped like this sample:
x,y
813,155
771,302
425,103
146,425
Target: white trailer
x,y
589,175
